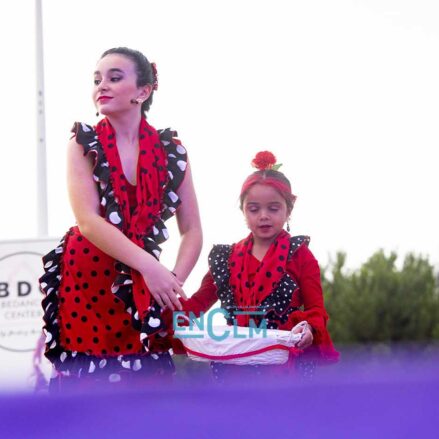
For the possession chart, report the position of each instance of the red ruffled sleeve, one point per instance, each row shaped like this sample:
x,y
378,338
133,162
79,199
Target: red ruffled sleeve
x,y
305,270
204,298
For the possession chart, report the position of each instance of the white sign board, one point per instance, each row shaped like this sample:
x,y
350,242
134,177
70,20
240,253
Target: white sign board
x,y
20,309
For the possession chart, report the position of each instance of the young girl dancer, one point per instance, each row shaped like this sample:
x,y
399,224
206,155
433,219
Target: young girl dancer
x,y
269,272
104,286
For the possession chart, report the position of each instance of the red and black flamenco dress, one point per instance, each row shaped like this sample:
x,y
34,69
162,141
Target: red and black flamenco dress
x,y
100,321
280,291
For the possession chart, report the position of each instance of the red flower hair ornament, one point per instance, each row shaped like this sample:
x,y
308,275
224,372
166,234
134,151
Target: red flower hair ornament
x,y
265,160
155,75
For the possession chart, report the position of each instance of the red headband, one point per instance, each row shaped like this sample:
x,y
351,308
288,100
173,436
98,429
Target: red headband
x,y
263,161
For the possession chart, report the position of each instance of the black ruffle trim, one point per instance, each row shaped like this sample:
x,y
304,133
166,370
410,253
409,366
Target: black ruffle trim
x,y
49,285
87,137
219,268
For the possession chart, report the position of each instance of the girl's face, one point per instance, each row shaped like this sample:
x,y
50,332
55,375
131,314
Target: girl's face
x,y
115,85
266,212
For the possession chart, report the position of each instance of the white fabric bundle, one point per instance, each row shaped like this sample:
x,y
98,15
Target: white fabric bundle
x,y
242,345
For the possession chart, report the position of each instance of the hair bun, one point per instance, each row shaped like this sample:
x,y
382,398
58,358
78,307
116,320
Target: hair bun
x,y
264,160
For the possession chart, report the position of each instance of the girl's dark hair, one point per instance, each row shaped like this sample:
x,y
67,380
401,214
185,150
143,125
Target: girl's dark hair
x,y
144,70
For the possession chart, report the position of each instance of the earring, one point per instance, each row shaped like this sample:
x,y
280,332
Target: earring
x,y
288,226
139,101
97,113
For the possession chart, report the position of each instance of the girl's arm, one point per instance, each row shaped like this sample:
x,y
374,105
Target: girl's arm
x,y
189,225
311,292
204,298
84,200
305,269
201,301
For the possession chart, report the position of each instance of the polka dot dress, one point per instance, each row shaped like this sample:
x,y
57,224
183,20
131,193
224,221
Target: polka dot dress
x,y
263,287
96,308
92,318
246,284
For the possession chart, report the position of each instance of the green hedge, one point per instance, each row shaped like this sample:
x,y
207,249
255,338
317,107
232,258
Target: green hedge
x,y
380,302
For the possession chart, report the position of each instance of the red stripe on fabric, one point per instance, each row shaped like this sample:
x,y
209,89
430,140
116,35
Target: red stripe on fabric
x,y
243,355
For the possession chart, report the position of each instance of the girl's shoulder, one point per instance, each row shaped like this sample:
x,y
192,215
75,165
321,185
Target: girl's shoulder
x,y
176,158
83,129
298,245
170,141
298,241
220,251
299,250
85,135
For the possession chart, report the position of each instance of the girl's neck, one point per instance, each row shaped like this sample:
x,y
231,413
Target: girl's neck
x,y
126,126
260,249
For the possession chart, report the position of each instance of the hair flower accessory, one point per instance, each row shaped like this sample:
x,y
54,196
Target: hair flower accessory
x,y
155,85
265,160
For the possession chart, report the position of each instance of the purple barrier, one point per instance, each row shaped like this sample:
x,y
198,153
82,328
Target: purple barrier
x,y
354,399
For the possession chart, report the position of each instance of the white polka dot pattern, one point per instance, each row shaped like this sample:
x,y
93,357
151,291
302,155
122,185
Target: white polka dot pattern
x,y
276,306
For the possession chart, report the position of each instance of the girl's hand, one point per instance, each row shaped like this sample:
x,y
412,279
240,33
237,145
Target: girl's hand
x,y
307,338
164,286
